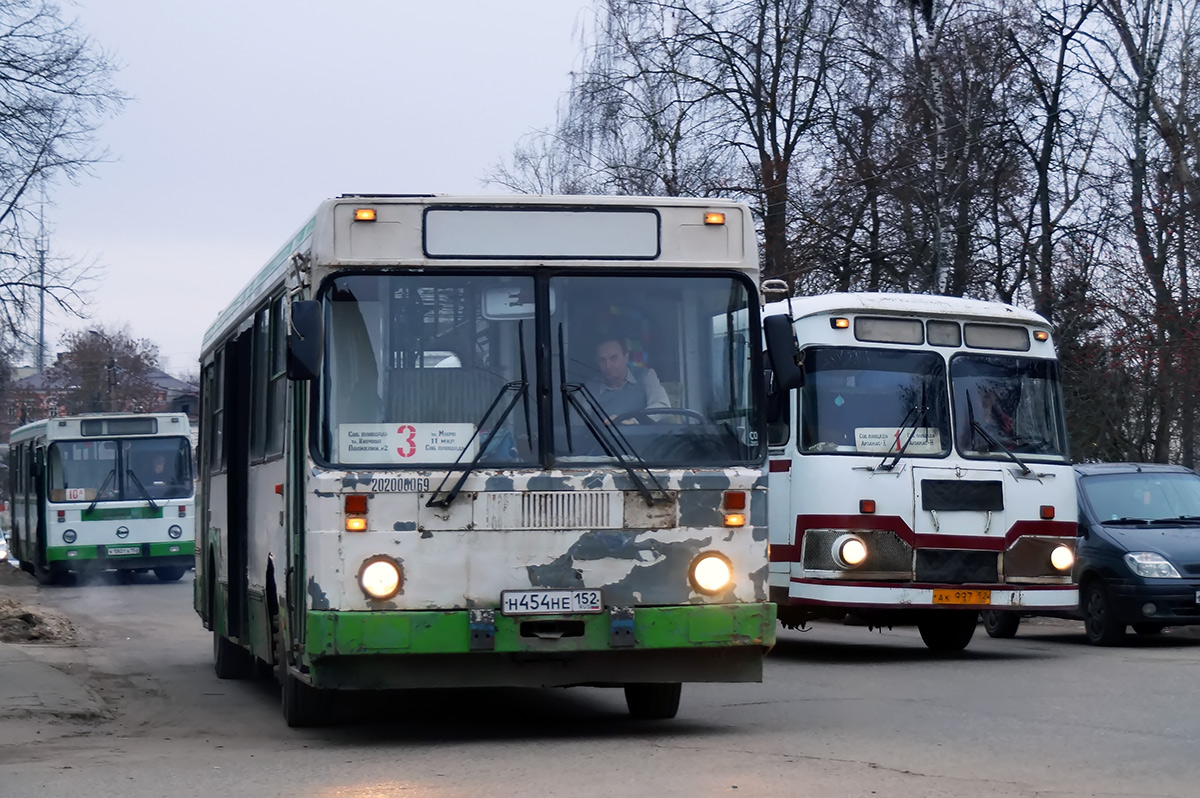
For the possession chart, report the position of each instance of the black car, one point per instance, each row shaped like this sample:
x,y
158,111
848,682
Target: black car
x,y
1137,557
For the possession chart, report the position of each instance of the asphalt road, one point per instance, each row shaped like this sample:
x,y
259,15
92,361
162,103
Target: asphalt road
x,y
843,712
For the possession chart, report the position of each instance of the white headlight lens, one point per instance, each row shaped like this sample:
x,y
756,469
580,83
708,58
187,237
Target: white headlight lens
x,y
1062,558
380,579
176,531
69,536
852,551
1149,564
711,573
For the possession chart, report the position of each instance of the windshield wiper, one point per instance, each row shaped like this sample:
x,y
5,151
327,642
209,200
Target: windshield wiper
x,y
142,488
520,388
611,439
112,472
1174,519
1126,521
987,436
923,409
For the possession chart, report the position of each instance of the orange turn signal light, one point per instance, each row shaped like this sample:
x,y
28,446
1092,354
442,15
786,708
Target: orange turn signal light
x,y
735,519
356,524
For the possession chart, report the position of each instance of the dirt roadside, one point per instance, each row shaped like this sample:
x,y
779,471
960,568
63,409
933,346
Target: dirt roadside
x,y
26,619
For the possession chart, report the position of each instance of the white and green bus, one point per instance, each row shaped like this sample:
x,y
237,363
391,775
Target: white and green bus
x,y
109,491
480,441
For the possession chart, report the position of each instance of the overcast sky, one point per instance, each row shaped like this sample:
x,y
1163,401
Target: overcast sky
x,y
247,114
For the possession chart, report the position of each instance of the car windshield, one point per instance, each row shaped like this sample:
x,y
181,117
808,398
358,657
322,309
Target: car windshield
x,y
110,470
444,370
859,400
1146,495
1007,403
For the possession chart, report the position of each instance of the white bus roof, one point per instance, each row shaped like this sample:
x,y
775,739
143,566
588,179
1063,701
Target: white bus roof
x,y
69,426
924,305
400,236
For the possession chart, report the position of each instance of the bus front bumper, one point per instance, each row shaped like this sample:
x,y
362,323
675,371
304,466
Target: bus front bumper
x,y
401,649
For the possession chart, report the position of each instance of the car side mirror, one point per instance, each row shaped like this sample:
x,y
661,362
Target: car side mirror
x,y
304,343
783,352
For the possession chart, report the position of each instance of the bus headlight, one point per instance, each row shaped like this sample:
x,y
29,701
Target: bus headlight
x,y
710,573
175,531
849,551
69,536
1062,558
380,577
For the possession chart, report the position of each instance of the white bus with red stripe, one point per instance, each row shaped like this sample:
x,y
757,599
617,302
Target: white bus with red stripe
x,y
920,473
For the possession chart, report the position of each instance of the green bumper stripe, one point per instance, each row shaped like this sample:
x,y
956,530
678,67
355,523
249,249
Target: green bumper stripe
x,y
64,553
388,632
122,513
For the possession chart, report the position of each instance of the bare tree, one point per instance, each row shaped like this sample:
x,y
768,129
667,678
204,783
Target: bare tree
x,y
55,91
105,370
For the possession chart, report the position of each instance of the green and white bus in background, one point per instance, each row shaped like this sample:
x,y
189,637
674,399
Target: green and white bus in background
x,y
481,441
100,492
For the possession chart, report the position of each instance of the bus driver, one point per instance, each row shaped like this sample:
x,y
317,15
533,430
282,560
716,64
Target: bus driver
x,y
618,390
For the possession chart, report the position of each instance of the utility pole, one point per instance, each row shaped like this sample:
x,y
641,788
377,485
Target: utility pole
x,y
42,246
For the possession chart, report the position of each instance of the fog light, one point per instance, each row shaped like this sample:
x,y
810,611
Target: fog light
x,y
1062,558
176,531
69,536
380,577
711,573
849,551
1149,609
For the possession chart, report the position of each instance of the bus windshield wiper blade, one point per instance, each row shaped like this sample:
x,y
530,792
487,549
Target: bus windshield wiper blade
x,y
1126,521
987,436
615,444
142,488
112,472
922,417
519,388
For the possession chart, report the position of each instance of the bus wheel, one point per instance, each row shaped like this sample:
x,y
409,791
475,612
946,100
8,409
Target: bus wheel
x,y
653,701
1001,625
949,630
303,705
46,575
231,661
169,573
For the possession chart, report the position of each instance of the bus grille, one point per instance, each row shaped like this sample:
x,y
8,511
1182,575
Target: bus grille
x,y
954,567
589,509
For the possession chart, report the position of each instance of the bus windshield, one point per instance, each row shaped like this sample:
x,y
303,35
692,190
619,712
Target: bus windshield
x,y
442,370
110,470
1007,403
859,400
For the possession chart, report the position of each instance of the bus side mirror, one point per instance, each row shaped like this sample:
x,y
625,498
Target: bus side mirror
x,y
783,352
304,340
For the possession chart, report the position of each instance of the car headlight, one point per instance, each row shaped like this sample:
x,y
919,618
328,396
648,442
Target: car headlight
x,y
69,536
1149,564
849,551
710,573
175,531
380,577
1062,558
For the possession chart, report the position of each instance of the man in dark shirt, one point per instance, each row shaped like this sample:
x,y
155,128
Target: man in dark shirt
x,y
619,390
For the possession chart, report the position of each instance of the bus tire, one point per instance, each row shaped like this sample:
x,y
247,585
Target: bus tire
x,y
303,705
231,661
169,573
1001,625
653,701
949,630
45,575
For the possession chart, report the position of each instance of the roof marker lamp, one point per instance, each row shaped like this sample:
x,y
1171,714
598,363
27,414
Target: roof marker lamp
x,y
849,551
1062,558
714,217
1041,335
380,577
364,214
840,323
710,573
